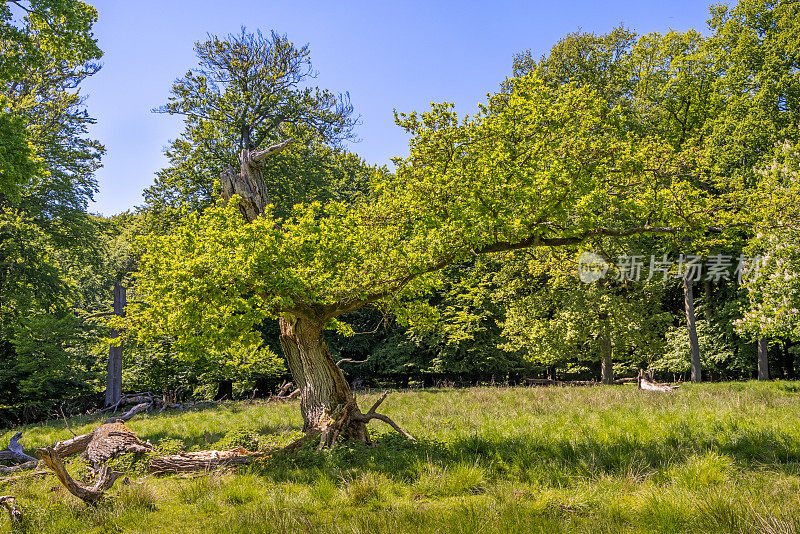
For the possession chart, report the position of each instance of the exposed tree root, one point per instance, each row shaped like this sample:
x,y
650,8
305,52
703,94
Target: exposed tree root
x,y
10,503
347,422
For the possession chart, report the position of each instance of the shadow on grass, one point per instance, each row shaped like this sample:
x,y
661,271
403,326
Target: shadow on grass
x,y
554,462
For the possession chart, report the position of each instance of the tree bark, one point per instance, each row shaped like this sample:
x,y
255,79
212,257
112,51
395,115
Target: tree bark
x,y
763,359
114,378
688,299
248,182
326,400
607,367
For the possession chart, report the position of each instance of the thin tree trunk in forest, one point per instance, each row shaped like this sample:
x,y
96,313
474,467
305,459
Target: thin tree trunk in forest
x,y
763,359
694,344
788,361
707,310
607,367
114,377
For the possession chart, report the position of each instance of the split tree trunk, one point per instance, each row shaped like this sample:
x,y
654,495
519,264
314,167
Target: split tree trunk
x,y
114,377
763,359
694,344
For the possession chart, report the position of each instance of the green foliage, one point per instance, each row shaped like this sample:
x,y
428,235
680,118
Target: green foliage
x,y
48,242
16,156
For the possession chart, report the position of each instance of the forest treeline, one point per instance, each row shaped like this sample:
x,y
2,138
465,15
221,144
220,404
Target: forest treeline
x,y
672,158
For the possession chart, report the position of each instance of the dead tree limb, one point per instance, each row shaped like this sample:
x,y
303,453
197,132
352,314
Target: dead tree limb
x,y
201,461
649,385
26,476
92,494
10,503
351,360
372,414
15,451
72,446
106,441
139,408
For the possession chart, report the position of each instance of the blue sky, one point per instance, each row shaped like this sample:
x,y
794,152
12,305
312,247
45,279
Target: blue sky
x,y
388,55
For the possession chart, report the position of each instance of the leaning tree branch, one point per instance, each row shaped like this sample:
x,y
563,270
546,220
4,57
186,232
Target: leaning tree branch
x,y
260,155
52,459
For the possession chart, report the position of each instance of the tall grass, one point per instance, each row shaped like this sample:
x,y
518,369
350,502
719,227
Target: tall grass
x,y
707,458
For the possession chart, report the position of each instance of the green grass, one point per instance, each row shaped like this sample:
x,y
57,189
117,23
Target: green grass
x,y
708,458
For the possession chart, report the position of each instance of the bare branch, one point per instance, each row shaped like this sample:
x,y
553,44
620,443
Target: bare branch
x,y
260,155
351,360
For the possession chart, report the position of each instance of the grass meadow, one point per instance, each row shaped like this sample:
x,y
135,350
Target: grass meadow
x,y
707,458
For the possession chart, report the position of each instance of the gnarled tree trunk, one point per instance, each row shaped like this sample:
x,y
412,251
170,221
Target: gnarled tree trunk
x,y
326,401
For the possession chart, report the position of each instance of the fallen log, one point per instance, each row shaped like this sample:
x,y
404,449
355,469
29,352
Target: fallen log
x,y
201,461
112,439
15,451
32,474
21,467
648,384
106,441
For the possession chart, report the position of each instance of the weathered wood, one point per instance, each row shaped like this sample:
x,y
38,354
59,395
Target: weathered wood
x,y
10,503
53,457
71,446
139,408
54,461
114,368
112,439
15,451
33,474
648,385
18,468
201,461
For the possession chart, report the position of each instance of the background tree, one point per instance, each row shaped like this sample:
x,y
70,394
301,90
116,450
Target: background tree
x,y
48,254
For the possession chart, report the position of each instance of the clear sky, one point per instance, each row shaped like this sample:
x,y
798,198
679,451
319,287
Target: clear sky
x,y
388,55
